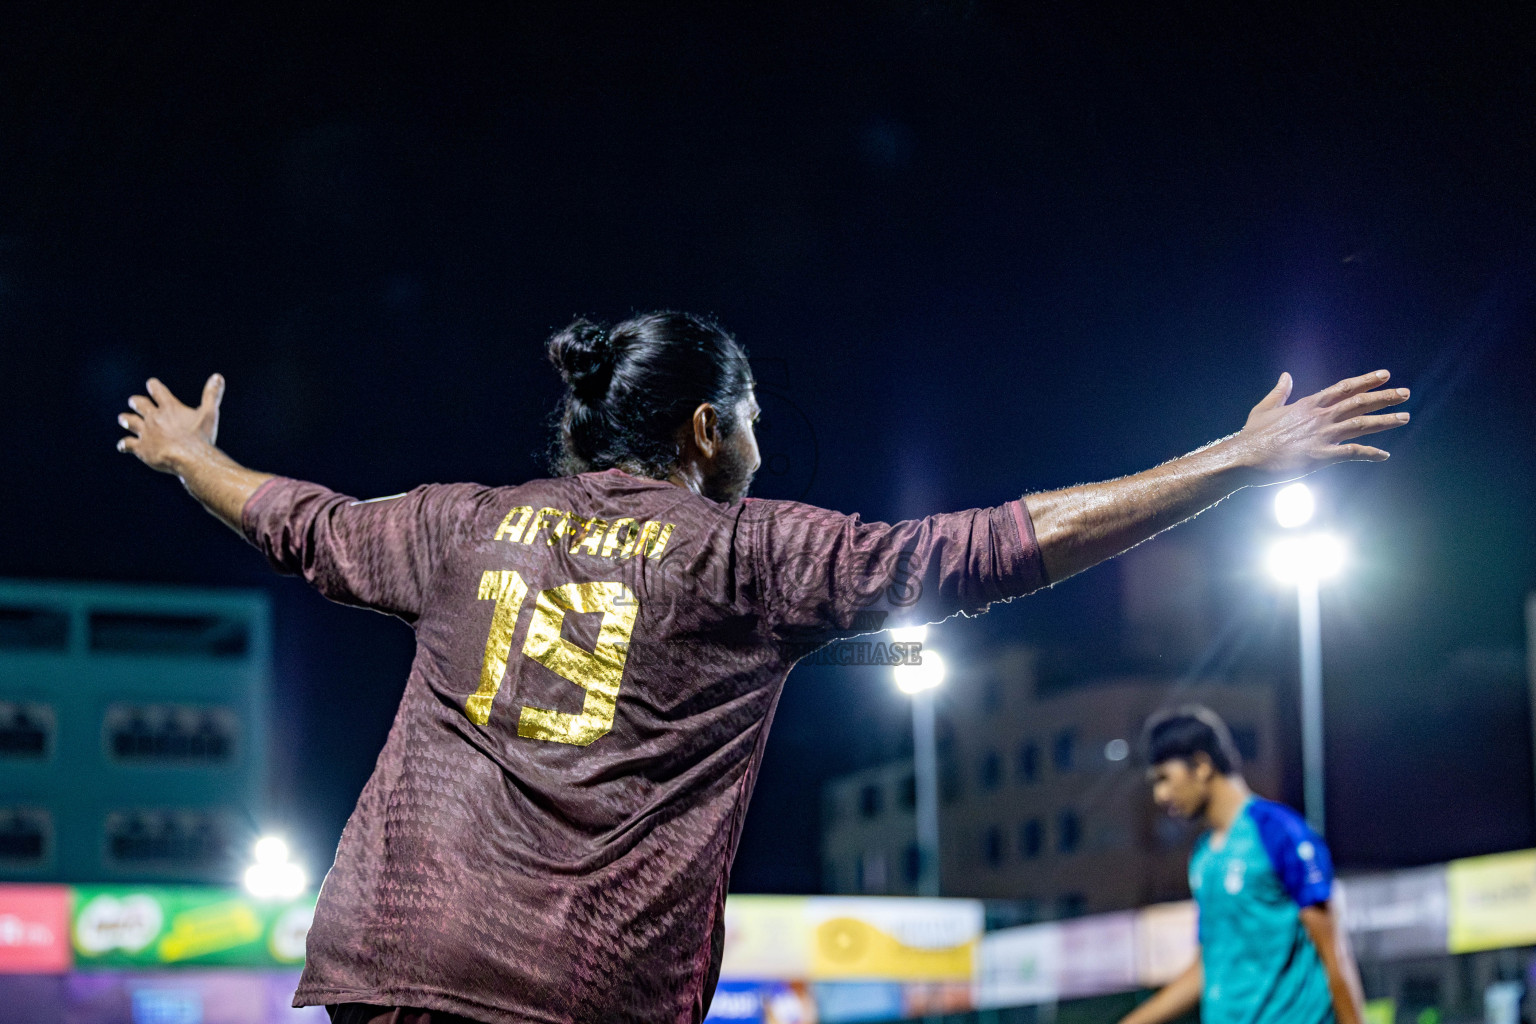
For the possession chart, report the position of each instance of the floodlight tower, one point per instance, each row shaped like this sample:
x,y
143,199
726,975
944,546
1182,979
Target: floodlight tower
x,y
1306,560
919,681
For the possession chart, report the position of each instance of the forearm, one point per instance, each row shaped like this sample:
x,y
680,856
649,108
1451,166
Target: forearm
x,y
218,482
1346,1007
1329,938
1079,527
1173,1001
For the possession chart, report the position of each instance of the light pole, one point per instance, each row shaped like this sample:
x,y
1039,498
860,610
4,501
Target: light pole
x,y
1306,560
919,681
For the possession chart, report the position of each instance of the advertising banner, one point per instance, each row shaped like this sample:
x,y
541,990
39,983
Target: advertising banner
x,y
34,929
766,938
220,996
1166,942
1019,966
1492,901
936,998
1098,955
768,1002
843,1002
1397,915
896,939
140,926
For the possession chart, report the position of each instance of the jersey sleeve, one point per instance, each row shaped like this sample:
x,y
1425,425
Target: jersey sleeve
x,y
826,574
1299,856
378,554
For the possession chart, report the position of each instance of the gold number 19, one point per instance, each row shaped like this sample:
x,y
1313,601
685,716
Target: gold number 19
x,y
598,671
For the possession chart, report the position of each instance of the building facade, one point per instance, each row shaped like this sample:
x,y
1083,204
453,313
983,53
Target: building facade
x,y
132,731
1043,801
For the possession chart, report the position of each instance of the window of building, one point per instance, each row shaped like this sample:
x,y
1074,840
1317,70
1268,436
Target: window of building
x,y
871,801
992,846
991,770
1031,838
1064,750
950,788
1171,832
170,732
1028,761
872,873
1246,739
24,835
906,792
214,636
1071,904
1069,831
33,629
912,863
26,730
180,838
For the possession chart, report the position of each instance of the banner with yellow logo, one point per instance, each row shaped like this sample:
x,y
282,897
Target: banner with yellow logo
x,y
122,926
1492,901
893,939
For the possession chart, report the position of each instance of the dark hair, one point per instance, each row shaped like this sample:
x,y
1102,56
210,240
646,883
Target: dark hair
x,y
632,385
1183,732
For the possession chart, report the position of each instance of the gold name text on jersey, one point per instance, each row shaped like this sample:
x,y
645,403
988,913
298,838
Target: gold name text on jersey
x,y
618,540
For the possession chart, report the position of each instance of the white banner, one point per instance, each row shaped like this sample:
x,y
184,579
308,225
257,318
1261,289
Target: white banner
x,y
1019,966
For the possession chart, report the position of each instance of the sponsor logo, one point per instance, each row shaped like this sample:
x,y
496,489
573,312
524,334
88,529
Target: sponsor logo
x,y
107,923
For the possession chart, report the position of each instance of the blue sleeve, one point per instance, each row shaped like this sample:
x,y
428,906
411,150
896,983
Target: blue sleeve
x,y
1299,856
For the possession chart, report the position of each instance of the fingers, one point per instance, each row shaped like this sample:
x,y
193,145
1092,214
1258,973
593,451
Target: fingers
x,y
1354,385
141,405
1369,402
160,393
213,392
1360,453
128,445
128,421
1277,395
1361,425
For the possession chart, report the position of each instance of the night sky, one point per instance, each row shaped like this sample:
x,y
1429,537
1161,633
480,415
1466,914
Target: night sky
x,y
974,248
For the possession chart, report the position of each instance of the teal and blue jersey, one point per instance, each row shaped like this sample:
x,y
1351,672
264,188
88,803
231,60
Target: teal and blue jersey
x,y
1260,964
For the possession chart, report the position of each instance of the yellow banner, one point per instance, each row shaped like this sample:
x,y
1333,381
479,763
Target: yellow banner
x,y
894,939
210,929
1492,901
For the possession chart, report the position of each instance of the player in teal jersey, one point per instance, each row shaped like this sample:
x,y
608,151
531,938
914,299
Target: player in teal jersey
x,y
1272,950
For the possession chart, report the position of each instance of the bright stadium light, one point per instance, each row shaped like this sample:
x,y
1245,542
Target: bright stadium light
x,y
1294,506
274,876
909,634
925,675
1310,558
271,850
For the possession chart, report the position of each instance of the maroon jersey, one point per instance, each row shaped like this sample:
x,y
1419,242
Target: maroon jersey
x,y
549,829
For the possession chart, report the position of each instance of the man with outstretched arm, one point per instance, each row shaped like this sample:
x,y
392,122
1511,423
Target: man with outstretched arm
x,y
1272,949
547,835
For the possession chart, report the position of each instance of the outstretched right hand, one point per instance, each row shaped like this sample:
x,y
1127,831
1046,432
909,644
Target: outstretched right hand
x,y
164,432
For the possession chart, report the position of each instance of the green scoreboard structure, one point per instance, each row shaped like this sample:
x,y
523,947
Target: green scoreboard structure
x,y
133,731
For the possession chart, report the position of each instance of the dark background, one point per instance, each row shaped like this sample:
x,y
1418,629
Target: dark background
x,y
975,248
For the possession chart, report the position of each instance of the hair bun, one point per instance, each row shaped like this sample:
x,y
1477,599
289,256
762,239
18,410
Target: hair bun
x,y
584,354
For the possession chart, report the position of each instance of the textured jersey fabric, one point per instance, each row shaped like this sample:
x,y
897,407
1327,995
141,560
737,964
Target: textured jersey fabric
x,y
1260,964
548,831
